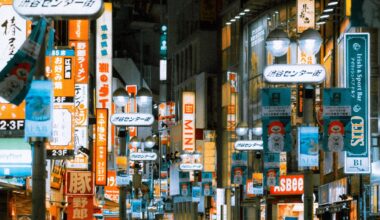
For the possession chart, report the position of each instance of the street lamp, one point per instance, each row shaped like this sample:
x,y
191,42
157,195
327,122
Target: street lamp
x,y
277,42
144,97
309,42
120,97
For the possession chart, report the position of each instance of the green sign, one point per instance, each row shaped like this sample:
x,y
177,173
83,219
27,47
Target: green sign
x,y
336,119
357,66
163,42
276,112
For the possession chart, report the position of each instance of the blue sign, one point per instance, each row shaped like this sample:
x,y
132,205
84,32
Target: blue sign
x,y
15,158
38,109
196,193
308,146
137,208
271,169
357,69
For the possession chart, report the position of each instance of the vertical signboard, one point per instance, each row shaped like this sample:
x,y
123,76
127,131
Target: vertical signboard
x,y
357,69
39,106
104,61
111,191
79,29
60,69
188,121
12,33
305,15
101,147
308,146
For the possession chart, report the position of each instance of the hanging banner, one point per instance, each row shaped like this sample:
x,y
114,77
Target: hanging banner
x,y
257,184
137,208
101,147
196,193
188,121
207,189
271,169
308,146
357,68
16,76
39,108
239,168
12,33
336,119
305,15
276,111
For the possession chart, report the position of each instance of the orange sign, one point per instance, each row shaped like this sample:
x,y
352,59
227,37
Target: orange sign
x,y
79,183
101,147
111,191
80,207
78,29
81,60
56,175
188,121
60,69
132,89
289,185
10,111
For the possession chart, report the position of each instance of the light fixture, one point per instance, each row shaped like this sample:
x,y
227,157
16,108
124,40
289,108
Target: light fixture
x,y
277,42
242,13
328,10
144,96
242,128
233,20
120,97
247,10
320,22
135,142
228,23
276,12
323,16
237,17
257,130
310,41
149,142
332,3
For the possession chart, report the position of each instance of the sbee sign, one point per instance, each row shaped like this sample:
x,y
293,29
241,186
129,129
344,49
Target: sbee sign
x,y
132,119
249,145
59,8
289,185
142,156
298,73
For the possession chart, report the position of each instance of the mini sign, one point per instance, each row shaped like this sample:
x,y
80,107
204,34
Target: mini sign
x,y
249,145
132,119
191,166
298,73
289,185
142,156
59,8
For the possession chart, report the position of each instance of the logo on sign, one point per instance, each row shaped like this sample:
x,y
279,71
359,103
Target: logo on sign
x,y
289,185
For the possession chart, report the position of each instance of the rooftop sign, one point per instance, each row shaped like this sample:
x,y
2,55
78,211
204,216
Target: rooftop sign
x,y
59,8
298,73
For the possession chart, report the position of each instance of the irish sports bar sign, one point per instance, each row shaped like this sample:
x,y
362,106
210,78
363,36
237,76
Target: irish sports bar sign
x,y
357,69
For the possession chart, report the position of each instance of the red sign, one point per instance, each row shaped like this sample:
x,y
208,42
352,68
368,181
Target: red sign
x,y
80,208
111,191
289,185
79,183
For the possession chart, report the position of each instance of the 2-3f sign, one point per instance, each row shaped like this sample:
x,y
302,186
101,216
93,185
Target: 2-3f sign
x,y
59,8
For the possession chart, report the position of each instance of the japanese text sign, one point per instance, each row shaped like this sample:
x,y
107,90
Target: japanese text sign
x,y
298,73
305,15
188,121
58,8
79,30
101,147
357,69
104,33
111,191
132,119
79,183
80,208
81,60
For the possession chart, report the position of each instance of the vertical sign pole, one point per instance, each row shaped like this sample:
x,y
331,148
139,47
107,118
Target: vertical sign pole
x,y
122,135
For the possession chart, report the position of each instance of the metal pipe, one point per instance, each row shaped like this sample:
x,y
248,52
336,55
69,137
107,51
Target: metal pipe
x,y
38,178
122,135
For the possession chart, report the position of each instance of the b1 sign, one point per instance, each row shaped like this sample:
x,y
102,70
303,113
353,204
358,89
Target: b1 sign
x,y
59,8
298,73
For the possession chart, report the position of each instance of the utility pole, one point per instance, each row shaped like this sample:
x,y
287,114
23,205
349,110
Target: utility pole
x,y
122,135
308,119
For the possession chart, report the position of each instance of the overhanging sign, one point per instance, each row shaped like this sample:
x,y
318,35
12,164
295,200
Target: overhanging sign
x,y
298,73
142,156
59,8
191,166
357,68
132,119
249,145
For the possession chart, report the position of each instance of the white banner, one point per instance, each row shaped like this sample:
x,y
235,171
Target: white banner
x,y
305,15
